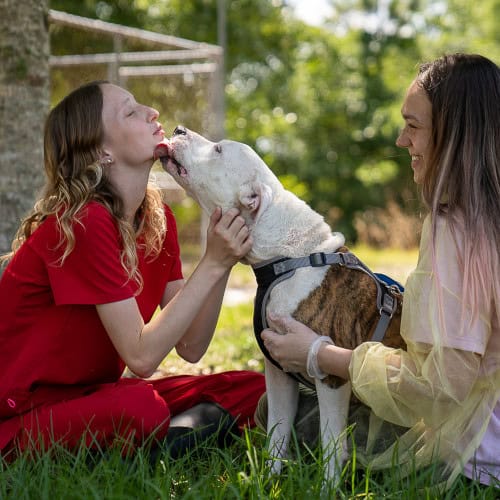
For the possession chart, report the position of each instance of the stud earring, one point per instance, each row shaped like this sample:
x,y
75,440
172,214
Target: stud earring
x,y
106,161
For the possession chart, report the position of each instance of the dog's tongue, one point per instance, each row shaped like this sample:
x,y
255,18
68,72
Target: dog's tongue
x,y
161,150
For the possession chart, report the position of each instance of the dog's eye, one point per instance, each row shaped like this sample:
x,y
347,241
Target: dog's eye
x,y
218,148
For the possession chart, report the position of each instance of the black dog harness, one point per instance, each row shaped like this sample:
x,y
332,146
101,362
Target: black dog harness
x,y
270,273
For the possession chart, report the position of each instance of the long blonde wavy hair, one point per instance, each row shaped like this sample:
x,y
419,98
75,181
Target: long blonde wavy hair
x,y
72,149
462,177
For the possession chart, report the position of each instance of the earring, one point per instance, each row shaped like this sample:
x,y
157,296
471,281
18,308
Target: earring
x,y
106,161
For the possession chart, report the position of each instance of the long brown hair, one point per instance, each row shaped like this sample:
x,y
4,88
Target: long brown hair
x,y
462,177
72,149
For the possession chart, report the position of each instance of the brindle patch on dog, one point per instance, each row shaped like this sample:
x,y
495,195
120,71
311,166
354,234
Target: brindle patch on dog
x,y
344,307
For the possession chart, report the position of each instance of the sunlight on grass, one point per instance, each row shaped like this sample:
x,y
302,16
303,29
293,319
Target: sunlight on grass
x,y
209,472
394,262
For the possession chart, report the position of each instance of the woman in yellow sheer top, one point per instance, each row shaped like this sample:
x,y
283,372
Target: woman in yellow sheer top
x,y
443,392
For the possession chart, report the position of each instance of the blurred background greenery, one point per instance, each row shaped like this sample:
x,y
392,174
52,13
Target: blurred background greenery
x,y
320,103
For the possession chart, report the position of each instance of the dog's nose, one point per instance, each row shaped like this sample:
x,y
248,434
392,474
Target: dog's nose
x,y
180,130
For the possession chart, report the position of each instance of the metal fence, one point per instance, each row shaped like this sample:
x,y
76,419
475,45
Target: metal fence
x,y
183,78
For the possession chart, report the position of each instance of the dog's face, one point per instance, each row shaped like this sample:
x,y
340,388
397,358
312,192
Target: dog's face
x,y
226,174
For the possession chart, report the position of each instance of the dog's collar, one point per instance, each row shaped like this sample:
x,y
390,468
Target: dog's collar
x,y
271,272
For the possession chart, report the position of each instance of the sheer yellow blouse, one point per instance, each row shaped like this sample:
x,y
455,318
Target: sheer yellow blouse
x,y
444,387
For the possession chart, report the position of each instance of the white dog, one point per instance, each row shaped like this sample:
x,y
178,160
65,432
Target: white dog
x,y
230,174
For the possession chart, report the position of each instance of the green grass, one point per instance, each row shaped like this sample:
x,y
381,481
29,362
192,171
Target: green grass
x,y
235,473
394,262
238,472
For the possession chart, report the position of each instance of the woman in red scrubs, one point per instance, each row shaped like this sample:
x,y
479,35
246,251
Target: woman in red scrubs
x,y
89,266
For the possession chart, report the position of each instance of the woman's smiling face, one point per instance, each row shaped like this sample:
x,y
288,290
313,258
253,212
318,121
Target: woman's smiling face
x,y
417,132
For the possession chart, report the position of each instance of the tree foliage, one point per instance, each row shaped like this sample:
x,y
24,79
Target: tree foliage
x,y
319,104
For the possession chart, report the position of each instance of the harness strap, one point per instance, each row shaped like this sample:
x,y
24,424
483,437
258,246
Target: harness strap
x,y
386,312
270,273
386,303
266,281
317,259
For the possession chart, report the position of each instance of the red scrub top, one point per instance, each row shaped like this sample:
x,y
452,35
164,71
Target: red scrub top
x,y
60,374
52,341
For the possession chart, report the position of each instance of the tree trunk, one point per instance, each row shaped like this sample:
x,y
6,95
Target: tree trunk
x,y
24,102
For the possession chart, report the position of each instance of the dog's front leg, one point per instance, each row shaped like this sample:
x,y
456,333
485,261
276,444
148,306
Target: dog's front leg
x,y
282,401
333,414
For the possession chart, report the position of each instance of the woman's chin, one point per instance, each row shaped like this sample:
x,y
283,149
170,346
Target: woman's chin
x,y
418,176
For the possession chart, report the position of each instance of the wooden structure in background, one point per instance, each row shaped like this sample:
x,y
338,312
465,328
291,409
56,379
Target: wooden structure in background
x,y
180,57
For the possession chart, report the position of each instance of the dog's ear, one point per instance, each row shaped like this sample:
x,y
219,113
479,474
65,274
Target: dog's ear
x,y
255,197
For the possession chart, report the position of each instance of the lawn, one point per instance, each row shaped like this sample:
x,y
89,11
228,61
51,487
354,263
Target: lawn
x,y
238,472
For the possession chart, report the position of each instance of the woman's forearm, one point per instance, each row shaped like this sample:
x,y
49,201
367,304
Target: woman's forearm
x,y
334,360
195,341
178,322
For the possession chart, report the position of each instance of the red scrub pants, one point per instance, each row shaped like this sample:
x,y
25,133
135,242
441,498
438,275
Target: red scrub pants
x,y
131,410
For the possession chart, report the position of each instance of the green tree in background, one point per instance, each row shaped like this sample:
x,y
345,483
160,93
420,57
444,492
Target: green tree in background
x,y
321,105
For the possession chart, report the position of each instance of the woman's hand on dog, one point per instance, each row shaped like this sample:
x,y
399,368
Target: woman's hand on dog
x,y
290,347
228,238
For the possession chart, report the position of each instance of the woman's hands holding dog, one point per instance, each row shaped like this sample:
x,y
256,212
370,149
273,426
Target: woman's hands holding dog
x,y
290,348
228,238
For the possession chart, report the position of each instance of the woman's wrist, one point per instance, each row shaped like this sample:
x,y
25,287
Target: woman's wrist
x,y
334,360
312,366
213,268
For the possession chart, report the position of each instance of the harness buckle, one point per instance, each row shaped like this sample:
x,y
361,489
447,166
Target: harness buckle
x,y
348,259
317,259
389,305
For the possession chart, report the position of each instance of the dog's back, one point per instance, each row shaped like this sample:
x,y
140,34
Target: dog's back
x,y
344,307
